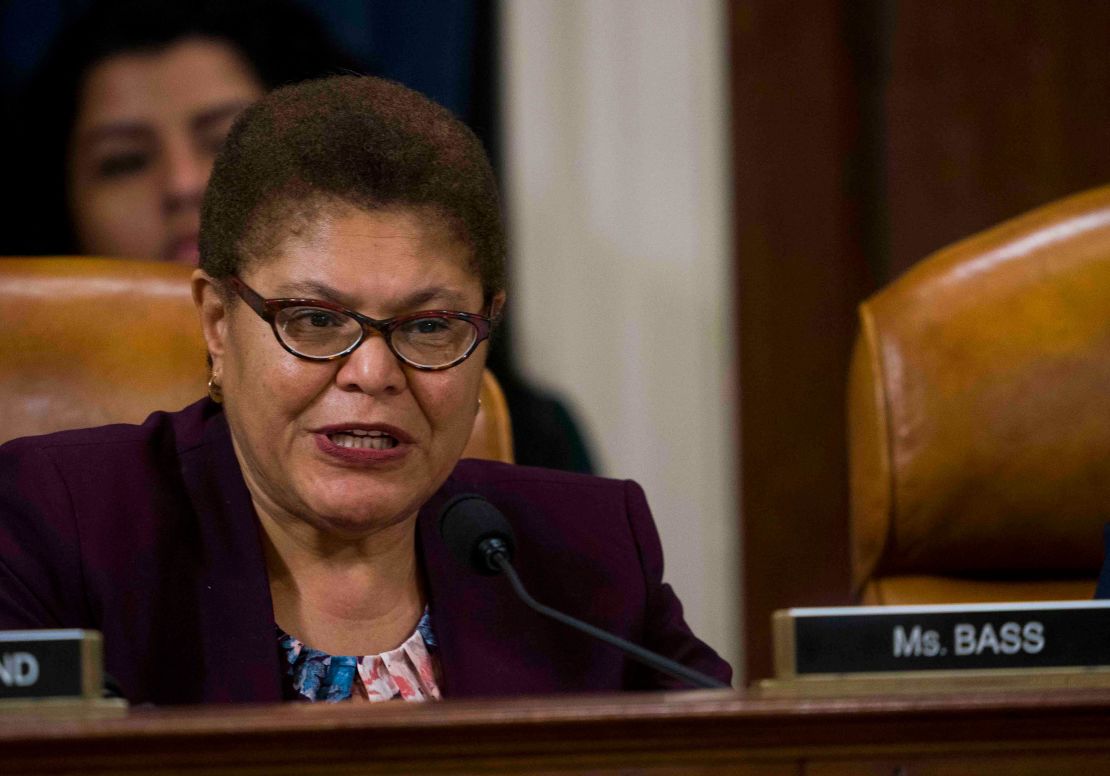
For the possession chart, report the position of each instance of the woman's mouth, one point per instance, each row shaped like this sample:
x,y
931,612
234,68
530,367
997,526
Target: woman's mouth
x,y
183,251
359,445
358,439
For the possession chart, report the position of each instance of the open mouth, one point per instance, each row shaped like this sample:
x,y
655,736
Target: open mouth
x,y
358,439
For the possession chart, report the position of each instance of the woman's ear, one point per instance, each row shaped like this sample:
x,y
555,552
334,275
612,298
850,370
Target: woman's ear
x,y
497,304
212,308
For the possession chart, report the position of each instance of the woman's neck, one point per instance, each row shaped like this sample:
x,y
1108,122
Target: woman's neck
x,y
345,597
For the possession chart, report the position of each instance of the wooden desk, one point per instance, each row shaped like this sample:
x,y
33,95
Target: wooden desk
x,y
707,732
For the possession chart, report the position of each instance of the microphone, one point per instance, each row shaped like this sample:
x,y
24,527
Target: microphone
x,y
480,537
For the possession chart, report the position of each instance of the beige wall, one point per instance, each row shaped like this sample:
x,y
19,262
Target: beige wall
x,y
616,187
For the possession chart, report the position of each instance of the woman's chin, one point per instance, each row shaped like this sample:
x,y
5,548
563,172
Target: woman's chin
x,y
356,518
355,504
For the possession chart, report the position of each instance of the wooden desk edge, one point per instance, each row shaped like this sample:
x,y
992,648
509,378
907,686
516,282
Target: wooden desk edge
x,y
677,728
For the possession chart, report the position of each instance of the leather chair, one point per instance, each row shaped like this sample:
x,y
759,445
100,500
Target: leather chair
x,y
979,416
145,352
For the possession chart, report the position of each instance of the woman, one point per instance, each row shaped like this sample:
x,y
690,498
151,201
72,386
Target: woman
x,y
278,539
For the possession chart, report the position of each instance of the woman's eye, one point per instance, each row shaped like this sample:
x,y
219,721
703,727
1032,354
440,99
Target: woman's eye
x,y
118,165
427,326
319,318
312,318
212,141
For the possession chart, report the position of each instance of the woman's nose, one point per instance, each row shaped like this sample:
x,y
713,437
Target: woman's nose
x,y
372,369
186,174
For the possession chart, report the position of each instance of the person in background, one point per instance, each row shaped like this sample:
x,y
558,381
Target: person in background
x,y
115,135
281,537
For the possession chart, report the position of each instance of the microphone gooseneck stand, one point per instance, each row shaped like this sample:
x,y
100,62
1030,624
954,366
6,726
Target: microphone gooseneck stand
x,y
495,554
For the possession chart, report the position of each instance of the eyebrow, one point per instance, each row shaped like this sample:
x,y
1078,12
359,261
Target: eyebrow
x,y
445,298
140,130
118,130
218,114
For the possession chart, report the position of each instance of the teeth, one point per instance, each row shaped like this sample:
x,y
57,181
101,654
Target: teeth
x,y
363,440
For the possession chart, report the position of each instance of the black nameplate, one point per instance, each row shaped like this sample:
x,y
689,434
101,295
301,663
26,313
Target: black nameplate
x,y
50,664
943,638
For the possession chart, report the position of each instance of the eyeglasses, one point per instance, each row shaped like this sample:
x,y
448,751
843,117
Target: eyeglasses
x,y
321,331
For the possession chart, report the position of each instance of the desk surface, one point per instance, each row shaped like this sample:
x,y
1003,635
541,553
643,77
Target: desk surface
x,y
703,732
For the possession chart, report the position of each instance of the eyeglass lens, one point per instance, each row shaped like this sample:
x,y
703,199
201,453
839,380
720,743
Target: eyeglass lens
x,y
426,341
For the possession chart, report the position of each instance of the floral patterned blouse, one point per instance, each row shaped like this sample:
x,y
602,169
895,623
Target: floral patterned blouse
x,y
409,672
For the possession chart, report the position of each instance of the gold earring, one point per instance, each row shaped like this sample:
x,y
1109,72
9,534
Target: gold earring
x,y
478,409
215,392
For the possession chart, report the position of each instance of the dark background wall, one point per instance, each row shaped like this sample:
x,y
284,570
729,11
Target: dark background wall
x,y
866,134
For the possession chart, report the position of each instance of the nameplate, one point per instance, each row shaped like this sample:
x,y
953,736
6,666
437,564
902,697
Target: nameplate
x,y
50,664
955,637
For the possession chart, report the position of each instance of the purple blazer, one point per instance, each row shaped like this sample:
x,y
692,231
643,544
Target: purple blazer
x,y
147,534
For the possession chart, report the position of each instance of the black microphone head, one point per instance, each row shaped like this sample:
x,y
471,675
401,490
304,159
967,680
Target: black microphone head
x,y
471,527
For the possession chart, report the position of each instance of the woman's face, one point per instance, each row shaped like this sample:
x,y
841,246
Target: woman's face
x,y
291,418
148,128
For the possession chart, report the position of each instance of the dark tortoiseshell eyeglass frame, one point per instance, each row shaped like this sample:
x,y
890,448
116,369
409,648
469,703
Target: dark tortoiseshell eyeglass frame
x,y
268,309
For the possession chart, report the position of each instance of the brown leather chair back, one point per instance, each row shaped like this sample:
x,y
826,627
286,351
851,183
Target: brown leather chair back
x,y
979,416
84,342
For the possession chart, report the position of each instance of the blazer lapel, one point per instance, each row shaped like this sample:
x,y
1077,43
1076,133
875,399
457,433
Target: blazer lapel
x,y
238,643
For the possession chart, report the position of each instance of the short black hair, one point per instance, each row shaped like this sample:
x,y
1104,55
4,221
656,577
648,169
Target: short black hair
x,y
358,140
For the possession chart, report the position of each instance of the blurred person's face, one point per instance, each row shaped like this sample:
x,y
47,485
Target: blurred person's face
x,y
149,125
